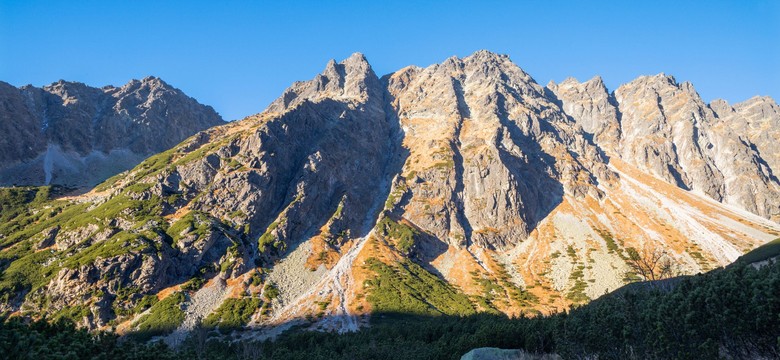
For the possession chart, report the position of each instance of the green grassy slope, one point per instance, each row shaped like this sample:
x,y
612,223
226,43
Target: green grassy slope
x,y
733,312
761,253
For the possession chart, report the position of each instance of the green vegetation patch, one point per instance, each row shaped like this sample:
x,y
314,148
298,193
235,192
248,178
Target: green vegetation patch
x,y
16,201
194,284
203,151
163,317
268,238
146,302
27,273
402,234
522,297
233,314
270,291
763,252
28,225
612,246
121,243
121,205
138,188
727,313
149,166
72,313
490,290
577,292
399,190
408,288
193,223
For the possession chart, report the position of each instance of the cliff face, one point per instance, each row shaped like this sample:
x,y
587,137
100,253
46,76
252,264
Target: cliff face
x,y
71,134
666,130
461,187
489,153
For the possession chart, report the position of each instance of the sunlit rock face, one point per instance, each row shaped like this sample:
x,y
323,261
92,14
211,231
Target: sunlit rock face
x,y
666,129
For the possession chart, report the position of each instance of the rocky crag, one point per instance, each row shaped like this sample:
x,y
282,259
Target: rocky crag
x,y
71,134
457,188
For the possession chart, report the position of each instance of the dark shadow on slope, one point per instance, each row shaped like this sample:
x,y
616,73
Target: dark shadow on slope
x,y
458,195
348,162
727,312
458,192
316,158
612,100
535,176
762,162
678,178
590,138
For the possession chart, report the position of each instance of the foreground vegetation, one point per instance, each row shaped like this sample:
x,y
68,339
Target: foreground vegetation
x,y
732,312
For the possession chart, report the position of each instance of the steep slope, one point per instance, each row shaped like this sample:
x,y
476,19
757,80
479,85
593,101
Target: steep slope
x,y
71,134
593,107
223,202
757,122
458,188
490,155
666,130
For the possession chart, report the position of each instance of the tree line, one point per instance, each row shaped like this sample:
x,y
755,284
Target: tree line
x,y
731,312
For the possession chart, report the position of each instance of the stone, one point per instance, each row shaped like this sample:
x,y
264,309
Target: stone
x,y
71,134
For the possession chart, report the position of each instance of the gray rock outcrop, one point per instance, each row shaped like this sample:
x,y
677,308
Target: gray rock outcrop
x,y
68,133
666,129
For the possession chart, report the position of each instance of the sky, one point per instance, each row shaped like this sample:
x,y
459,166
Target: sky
x,y
238,56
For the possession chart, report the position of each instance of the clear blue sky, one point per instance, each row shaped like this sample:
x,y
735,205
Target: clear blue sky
x,y
239,56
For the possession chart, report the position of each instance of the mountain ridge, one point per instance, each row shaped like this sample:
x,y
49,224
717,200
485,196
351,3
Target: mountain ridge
x,y
68,133
467,176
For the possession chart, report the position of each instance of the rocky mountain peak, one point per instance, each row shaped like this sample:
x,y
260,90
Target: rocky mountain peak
x,y
357,60
768,100
759,108
721,107
496,67
487,56
665,128
71,92
755,123
593,86
148,87
352,78
153,79
593,108
649,83
77,135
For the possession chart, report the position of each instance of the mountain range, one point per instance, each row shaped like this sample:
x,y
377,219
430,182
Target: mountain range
x,y
458,188
74,135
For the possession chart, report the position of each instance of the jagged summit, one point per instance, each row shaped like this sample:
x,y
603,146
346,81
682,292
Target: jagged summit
x,y
487,56
572,81
69,133
356,58
766,105
148,82
352,78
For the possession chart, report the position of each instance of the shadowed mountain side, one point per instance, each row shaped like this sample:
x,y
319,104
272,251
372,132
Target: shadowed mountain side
x,y
727,312
71,134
